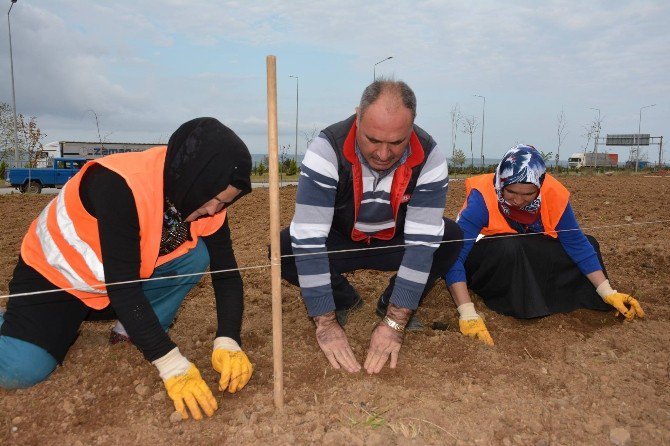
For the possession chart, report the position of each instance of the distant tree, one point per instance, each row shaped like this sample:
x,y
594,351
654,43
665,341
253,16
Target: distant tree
x,y
455,120
101,139
545,156
32,138
561,133
592,130
309,135
284,157
261,168
29,136
469,128
458,158
292,167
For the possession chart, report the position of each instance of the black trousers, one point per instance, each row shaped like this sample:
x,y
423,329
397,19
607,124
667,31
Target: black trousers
x,y
530,276
386,259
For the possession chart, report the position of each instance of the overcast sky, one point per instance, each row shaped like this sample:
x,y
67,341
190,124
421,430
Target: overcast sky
x,y
145,67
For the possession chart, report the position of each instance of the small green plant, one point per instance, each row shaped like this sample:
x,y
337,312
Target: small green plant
x,y
373,418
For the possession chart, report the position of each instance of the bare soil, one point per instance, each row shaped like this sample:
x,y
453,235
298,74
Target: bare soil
x,y
561,380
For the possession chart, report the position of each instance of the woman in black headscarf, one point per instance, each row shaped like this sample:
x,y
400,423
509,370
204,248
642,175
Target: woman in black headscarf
x,y
158,213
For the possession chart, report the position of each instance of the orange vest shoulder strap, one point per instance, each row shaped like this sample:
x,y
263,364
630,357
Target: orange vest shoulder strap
x,y
555,199
484,184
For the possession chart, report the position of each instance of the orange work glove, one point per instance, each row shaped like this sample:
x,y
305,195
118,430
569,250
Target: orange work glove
x,y
472,324
232,363
625,304
185,386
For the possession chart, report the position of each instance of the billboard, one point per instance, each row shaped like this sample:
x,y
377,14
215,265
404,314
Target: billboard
x,y
630,139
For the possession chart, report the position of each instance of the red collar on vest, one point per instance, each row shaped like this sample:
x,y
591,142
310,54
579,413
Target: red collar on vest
x,y
401,178
416,151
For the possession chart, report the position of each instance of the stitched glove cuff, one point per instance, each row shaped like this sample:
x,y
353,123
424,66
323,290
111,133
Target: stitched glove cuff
x,y
604,289
467,312
172,364
226,343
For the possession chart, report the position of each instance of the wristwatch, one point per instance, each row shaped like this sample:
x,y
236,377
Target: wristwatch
x,y
393,324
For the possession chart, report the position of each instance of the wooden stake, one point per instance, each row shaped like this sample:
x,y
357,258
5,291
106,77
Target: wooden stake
x,y
275,249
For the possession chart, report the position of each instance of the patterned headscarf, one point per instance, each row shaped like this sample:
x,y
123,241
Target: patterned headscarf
x,y
521,164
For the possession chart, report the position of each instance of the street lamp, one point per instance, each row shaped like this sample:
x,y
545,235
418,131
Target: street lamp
x,y
296,117
639,127
11,63
374,68
483,111
595,142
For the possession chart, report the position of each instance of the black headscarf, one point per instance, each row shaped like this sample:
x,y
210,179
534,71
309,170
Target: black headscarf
x,y
203,158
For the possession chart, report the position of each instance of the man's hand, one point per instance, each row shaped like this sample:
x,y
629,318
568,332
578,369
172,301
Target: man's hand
x,y
232,363
386,341
333,342
189,390
625,304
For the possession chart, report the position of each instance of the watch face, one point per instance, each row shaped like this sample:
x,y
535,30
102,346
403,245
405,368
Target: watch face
x,y
393,324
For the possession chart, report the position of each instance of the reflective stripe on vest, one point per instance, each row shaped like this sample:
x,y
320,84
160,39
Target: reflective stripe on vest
x,y
555,199
54,256
63,243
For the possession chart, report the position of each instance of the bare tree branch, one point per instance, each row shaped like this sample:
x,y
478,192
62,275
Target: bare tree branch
x,y
470,127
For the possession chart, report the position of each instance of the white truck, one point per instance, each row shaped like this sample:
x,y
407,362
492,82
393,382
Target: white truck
x,y
87,150
592,159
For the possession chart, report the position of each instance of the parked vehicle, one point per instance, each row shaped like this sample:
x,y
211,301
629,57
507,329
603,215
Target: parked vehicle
x,y
88,150
34,180
591,159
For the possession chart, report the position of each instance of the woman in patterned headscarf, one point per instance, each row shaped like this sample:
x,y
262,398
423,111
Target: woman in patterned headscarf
x,y
161,213
553,268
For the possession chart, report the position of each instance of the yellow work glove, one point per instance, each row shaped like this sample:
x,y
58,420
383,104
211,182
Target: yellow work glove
x,y
185,386
472,324
232,363
625,304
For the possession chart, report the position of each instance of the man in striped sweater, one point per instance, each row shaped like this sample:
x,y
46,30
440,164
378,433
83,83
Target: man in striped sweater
x,y
377,182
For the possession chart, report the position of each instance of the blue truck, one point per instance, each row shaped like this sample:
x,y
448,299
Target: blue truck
x,y
34,180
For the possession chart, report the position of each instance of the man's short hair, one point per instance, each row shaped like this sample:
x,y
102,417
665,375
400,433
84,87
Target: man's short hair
x,y
382,85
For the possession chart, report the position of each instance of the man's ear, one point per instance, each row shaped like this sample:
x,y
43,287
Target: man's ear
x,y
358,116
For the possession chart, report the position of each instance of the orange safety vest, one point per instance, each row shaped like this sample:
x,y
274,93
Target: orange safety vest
x,y
554,201
63,242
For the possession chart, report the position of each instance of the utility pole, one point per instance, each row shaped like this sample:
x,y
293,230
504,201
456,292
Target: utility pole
x,y
11,62
639,128
374,68
296,118
483,111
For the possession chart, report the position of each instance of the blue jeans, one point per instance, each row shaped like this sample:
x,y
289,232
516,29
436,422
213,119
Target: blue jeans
x,y
23,364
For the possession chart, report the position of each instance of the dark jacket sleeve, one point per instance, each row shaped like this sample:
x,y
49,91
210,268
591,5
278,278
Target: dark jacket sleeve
x,y
107,197
227,285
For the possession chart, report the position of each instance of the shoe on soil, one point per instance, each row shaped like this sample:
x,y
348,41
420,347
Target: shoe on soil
x,y
343,315
118,338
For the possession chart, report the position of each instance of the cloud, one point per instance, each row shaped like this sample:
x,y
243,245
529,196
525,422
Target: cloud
x,y
145,69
